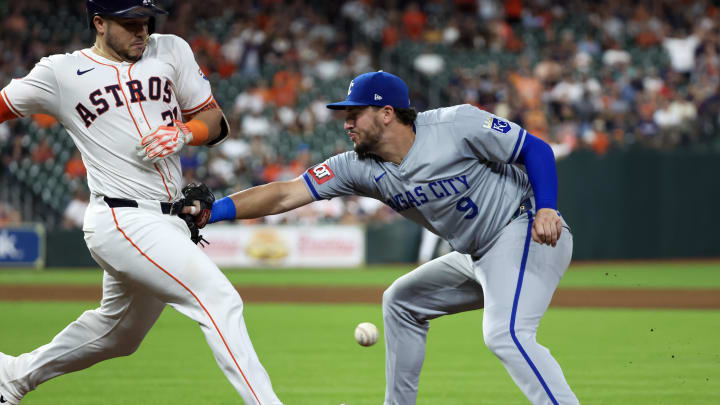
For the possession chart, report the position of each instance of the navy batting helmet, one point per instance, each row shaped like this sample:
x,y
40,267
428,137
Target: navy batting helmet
x,y
123,9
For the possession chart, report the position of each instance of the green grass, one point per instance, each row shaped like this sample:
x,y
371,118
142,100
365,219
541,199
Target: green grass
x,y
644,275
610,275
608,356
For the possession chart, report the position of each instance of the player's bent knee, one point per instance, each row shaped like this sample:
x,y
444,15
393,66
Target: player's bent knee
x,y
498,340
388,296
400,290
120,347
502,342
393,298
123,350
389,303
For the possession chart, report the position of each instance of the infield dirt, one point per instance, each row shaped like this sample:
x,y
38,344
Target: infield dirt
x,y
564,297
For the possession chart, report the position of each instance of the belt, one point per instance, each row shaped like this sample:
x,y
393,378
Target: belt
x,y
165,207
524,207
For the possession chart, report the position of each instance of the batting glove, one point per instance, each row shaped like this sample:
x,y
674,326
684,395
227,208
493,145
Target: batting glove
x,y
164,141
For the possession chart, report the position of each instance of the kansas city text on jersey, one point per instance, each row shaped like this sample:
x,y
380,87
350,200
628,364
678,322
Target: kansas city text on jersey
x,y
434,190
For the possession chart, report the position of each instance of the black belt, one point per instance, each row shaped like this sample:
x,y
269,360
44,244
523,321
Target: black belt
x,y
124,202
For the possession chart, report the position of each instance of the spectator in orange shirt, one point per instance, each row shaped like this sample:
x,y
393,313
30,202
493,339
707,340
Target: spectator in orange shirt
x,y
272,170
75,168
536,123
42,152
285,86
414,21
44,120
527,87
390,34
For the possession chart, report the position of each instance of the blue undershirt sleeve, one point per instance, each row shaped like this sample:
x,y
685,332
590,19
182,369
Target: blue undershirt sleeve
x,y
539,160
222,209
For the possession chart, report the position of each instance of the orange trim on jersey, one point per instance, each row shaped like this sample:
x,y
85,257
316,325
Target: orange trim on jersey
x,y
127,104
168,169
203,104
162,177
6,102
142,110
117,225
5,112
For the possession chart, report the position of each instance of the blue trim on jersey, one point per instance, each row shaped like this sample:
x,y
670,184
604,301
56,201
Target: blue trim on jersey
x,y
526,250
311,187
519,141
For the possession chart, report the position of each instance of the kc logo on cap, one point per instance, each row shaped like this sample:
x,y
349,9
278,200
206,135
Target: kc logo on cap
x,y
377,89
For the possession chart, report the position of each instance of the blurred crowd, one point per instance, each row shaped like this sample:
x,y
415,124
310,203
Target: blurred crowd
x,y
579,74
608,74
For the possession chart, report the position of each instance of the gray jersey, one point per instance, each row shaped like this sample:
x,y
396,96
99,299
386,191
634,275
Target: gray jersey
x,y
457,180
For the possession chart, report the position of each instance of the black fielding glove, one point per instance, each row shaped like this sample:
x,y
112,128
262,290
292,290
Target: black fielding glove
x,y
195,192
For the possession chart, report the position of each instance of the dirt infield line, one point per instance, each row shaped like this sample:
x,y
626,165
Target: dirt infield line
x,y
565,297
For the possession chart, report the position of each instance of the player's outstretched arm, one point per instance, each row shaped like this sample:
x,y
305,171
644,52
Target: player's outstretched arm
x,y
268,199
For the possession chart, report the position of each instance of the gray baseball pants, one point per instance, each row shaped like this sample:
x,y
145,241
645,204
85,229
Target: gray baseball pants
x,y
514,282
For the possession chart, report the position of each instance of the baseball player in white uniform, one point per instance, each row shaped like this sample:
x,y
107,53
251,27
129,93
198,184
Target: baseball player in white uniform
x,y
452,170
123,102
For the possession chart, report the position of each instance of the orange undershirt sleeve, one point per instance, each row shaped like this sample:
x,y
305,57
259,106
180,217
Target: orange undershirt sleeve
x,y
199,130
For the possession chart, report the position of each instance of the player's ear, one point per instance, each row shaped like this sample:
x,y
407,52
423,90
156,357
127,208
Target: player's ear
x,y
100,24
388,114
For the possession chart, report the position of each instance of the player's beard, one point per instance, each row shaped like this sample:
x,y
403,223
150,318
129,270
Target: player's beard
x,y
368,140
124,52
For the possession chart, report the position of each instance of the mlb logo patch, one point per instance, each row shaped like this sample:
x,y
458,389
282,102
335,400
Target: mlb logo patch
x,y
497,125
202,74
321,173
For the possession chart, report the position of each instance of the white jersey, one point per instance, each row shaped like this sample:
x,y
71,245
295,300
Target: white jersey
x,y
108,106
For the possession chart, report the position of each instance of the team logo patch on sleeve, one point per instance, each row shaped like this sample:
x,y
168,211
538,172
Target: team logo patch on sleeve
x,y
321,173
497,124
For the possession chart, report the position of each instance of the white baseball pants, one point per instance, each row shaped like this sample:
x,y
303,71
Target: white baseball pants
x,y
149,261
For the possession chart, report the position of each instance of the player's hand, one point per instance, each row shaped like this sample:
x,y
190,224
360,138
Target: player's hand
x,y
198,201
547,227
164,141
201,217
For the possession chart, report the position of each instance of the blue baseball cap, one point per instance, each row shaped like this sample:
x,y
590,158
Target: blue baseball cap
x,y
375,88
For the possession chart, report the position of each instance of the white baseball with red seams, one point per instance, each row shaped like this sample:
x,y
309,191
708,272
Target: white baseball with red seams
x,y
148,258
366,334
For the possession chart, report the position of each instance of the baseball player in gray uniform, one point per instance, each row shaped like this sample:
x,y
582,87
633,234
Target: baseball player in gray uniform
x,y
452,170
130,103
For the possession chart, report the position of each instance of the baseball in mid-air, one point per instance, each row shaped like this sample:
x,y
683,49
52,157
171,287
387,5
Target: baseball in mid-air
x,y
366,334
